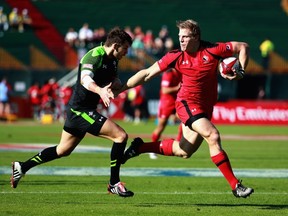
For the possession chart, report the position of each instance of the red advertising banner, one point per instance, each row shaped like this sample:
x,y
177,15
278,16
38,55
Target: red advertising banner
x,y
251,112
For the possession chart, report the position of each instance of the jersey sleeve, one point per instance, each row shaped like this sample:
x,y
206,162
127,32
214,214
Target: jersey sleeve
x,y
92,59
169,59
223,49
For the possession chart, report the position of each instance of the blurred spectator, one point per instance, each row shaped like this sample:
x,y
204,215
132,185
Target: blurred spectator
x,y
138,101
49,92
138,32
71,37
65,93
34,95
85,37
25,21
54,95
5,90
148,41
169,44
85,34
99,35
266,47
46,99
129,31
159,47
4,25
138,46
163,33
14,20
163,42
81,49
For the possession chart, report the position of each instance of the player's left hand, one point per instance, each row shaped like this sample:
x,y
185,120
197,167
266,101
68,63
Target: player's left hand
x,y
106,94
237,75
229,76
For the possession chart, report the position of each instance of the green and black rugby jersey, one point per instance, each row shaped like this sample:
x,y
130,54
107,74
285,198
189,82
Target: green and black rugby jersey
x,y
104,70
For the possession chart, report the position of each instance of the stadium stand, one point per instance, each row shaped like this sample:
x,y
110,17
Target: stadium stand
x,y
219,20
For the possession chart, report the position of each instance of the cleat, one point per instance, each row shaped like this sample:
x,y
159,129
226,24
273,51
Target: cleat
x,y
132,151
242,191
120,190
16,174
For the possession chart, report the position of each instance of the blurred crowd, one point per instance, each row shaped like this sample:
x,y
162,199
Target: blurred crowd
x,y
143,41
50,98
14,21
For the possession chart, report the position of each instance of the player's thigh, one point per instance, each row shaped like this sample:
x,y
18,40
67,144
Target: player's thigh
x,y
205,128
113,131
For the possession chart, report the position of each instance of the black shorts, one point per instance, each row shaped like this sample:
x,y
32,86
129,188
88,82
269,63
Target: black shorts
x,y
78,123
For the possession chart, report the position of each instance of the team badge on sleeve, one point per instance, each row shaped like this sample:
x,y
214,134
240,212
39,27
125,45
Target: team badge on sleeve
x,y
89,66
228,47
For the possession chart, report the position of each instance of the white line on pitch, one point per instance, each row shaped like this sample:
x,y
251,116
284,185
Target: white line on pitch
x,y
156,193
185,172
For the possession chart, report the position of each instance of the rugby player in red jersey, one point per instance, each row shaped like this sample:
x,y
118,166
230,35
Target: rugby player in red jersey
x,y
197,61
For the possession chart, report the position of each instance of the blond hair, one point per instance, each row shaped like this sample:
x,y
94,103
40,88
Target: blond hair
x,y
191,25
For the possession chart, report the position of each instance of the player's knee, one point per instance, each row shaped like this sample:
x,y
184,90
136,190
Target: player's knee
x,y
187,155
122,137
214,138
183,154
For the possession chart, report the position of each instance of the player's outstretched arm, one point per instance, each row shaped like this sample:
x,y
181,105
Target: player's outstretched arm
x,y
139,78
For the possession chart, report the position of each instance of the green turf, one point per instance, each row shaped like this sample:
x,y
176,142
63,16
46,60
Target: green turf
x,y
86,195
54,195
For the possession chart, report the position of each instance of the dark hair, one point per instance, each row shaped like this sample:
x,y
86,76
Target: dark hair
x,y
119,36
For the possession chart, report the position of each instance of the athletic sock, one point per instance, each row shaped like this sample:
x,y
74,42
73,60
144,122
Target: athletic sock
x,y
155,137
221,160
44,156
166,147
115,163
151,147
163,147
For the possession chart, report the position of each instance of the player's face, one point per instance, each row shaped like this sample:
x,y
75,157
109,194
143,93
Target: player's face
x,y
187,41
121,51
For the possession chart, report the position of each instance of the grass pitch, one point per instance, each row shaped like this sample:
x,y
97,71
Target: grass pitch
x,y
249,147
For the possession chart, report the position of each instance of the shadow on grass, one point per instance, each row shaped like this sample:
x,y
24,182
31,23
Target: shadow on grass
x,y
261,206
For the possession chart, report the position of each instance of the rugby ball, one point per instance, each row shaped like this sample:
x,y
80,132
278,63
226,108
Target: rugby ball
x,y
227,64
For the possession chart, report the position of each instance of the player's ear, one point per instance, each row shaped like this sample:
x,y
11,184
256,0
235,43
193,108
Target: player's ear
x,y
116,46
